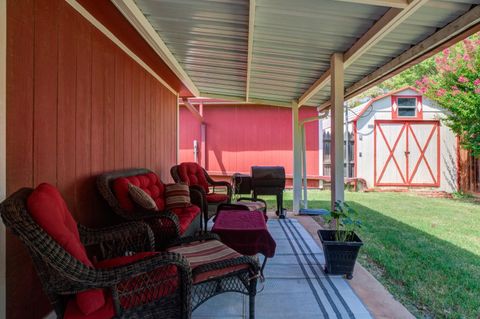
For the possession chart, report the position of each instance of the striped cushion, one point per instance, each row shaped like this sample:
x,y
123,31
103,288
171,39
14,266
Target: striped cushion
x,y
252,205
177,196
201,253
141,198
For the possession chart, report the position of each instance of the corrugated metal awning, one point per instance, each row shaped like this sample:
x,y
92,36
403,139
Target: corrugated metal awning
x,y
292,41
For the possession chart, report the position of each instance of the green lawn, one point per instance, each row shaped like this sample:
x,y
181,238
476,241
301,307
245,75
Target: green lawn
x,y
425,251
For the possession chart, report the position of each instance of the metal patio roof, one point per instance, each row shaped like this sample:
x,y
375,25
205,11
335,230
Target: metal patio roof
x,y
274,51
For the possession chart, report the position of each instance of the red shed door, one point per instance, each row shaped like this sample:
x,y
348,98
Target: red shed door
x,y
407,153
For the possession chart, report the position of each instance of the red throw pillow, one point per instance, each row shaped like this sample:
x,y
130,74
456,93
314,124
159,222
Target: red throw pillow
x,y
50,212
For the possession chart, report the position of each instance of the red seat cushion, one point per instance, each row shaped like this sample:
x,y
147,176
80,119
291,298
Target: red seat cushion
x,y
105,312
50,212
186,215
150,183
216,198
166,277
201,253
193,174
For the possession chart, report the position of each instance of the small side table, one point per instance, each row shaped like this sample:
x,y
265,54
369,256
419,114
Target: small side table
x,y
246,232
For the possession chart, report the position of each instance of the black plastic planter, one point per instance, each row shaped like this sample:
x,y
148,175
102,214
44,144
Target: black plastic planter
x,y
340,257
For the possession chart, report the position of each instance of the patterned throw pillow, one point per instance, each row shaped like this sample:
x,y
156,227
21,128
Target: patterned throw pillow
x,y
177,196
141,198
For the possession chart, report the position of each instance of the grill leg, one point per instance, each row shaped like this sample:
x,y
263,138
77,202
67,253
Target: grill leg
x,y
281,213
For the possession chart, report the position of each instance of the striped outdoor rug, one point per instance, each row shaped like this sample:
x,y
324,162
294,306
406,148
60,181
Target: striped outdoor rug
x,y
295,285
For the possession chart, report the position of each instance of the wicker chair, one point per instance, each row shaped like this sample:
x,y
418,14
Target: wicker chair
x,y
232,272
166,225
201,182
124,286
198,179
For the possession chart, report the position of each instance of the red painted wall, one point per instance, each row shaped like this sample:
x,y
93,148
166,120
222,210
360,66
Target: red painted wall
x,y
189,131
76,106
238,137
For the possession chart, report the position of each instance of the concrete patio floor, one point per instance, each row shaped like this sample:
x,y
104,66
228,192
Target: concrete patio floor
x,y
286,294
376,298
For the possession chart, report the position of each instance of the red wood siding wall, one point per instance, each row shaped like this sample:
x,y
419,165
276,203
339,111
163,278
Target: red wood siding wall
x,y
238,137
76,106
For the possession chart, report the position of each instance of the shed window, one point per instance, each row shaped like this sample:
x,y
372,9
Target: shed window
x,y
407,106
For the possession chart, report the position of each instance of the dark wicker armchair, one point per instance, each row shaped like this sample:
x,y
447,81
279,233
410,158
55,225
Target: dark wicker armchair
x,y
153,285
166,225
198,179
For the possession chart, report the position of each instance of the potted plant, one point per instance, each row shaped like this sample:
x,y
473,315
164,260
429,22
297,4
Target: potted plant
x,y
341,244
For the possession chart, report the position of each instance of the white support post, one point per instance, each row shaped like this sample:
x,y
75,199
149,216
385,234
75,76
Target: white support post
x,y
3,148
320,151
347,140
297,158
304,167
337,100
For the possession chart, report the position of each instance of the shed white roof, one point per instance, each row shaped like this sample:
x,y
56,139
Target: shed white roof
x,y
273,51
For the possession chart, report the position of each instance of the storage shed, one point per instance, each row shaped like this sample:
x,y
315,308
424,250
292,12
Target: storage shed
x,y
400,141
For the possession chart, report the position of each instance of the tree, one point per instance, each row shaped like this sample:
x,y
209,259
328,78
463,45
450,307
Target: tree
x,y
455,86
452,79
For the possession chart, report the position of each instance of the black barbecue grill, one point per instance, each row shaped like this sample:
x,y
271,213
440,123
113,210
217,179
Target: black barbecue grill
x,y
269,180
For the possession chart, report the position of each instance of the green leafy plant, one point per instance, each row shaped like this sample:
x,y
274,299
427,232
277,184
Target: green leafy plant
x,y
345,221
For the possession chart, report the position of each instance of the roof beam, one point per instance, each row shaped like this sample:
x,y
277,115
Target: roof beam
x,y
192,110
242,101
387,23
251,26
133,14
384,3
316,86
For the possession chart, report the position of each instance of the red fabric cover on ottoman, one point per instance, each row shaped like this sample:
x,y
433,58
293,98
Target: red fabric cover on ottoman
x,y
186,216
201,253
49,210
150,183
192,174
245,231
216,198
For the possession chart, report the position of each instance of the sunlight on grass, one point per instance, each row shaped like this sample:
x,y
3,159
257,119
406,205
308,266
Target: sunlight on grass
x,y
424,250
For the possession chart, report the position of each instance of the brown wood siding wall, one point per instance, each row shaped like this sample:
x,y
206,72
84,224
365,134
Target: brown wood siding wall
x,y
469,173
77,106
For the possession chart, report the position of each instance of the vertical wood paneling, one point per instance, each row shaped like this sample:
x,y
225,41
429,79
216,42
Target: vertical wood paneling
x,y
77,106
67,79
119,108
134,83
109,100
127,119
20,68
141,120
98,104
20,57
83,117
45,92
147,115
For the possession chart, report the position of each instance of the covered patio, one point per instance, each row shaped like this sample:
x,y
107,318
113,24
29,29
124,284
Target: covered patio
x,y
88,87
